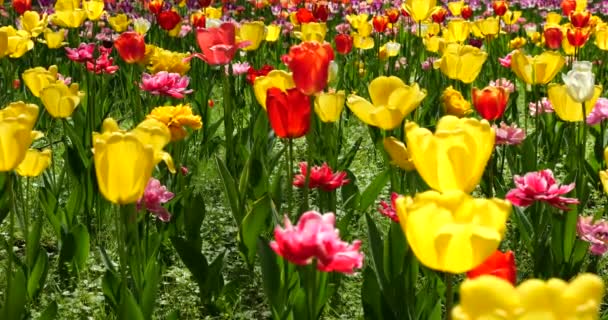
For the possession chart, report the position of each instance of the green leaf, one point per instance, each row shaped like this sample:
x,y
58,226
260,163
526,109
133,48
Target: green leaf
x,y
110,285
150,291
129,310
50,313
5,195
271,274
371,297
372,191
230,189
569,235
377,252
254,224
37,276
15,299
82,246
348,158
194,214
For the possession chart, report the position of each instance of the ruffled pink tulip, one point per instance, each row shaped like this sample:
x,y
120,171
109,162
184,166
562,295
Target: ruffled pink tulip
x,y
540,186
596,233
540,107
599,112
166,84
103,64
154,196
83,53
218,45
320,177
388,209
510,135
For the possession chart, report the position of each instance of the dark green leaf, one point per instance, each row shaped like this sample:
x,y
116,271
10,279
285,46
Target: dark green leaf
x,y
372,191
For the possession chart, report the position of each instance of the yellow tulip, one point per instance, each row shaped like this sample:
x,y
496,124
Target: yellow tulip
x,y
176,118
391,101
553,18
124,160
119,22
540,69
357,21
34,163
489,297
458,30
487,28
581,5
517,43
455,156
39,78
398,153
3,43
141,25
434,44
361,42
601,38
273,32
420,10
604,174
93,8
253,32
69,18
430,29
159,59
54,39
365,29
313,31
454,103
32,22
274,79
569,49
329,106
67,5
16,123
213,13
511,17
452,231
59,100
455,7
461,62
389,49
18,42
565,107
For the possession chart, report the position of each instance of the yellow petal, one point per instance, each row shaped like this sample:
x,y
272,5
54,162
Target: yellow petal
x,y
34,163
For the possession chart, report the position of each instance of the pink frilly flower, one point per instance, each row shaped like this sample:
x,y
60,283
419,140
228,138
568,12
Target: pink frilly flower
x,y
320,177
596,233
388,209
83,53
540,107
510,135
154,196
505,83
103,64
599,112
315,236
540,186
166,84
428,63
238,68
506,61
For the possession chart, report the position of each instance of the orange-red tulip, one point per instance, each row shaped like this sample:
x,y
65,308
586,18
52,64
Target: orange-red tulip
x,y
155,6
21,6
568,6
288,112
500,7
304,15
499,264
466,12
380,23
577,37
439,16
198,20
309,63
321,12
490,102
168,20
392,14
131,47
344,43
553,37
580,19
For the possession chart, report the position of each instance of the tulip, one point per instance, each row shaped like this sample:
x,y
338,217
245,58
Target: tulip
x,y
565,107
540,69
213,13
420,10
16,123
93,8
577,37
500,7
131,47
398,153
176,118
357,21
322,177
329,106
487,28
580,19
218,45
54,39
454,103
462,62
499,264
273,32
458,30
59,100
39,78
274,79
469,144
252,32
601,38
304,15
452,231
344,43
553,37
73,18
155,6
362,42
489,297
321,12
34,163
167,84
309,62
580,81
466,12
198,19
313,31
154,196
380,23
120,22
568,6
32,22
21,6
168,19
594,233
392,14
455,7
391,101
439,15
288,112
511,17
124,160
490,102
164,60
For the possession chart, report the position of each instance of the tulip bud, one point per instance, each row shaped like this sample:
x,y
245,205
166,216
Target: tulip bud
x,y
500,7
490,102
321,12
553,37
344,43
466,12
580,19
21,6
131,47
568,6
580,81
380,23
439,16
155,6
168,19
392,14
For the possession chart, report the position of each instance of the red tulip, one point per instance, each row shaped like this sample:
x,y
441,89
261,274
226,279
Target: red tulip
x,y
21,6
466,12
252,73
288,112
500,7
309,62
168,20
439,16
303,15
577,36
344,43
392,14
218,45
131,47
553,37
155,6
198,20
499,264
380,23
204,3
568,6
490,102
321,12
580,19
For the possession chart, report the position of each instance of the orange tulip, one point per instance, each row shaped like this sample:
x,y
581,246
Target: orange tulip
x,y
439,16
380,23
490,102
309,62
131,47
580,19
568,6
577,37
553,37
500,7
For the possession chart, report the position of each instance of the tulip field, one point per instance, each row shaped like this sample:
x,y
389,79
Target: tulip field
x,y
304,159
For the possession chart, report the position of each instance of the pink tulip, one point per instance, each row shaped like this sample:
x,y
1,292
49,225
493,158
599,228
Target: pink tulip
x,y
320,177
218,45
506,61
103,64
166,84
540,107
83,53
596,233
154,196
510,135
599,112
540,186
388,209
315,236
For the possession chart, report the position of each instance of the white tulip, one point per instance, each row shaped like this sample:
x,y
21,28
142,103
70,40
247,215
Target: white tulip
x,y
580,81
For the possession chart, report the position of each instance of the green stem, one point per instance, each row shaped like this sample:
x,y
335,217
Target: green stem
x,y
290,176
228,121
449,297
122,245
11,233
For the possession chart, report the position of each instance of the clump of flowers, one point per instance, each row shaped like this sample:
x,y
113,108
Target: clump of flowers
x,y
315,237
166,84
594,232
508,134
320,177
540,186
155,195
